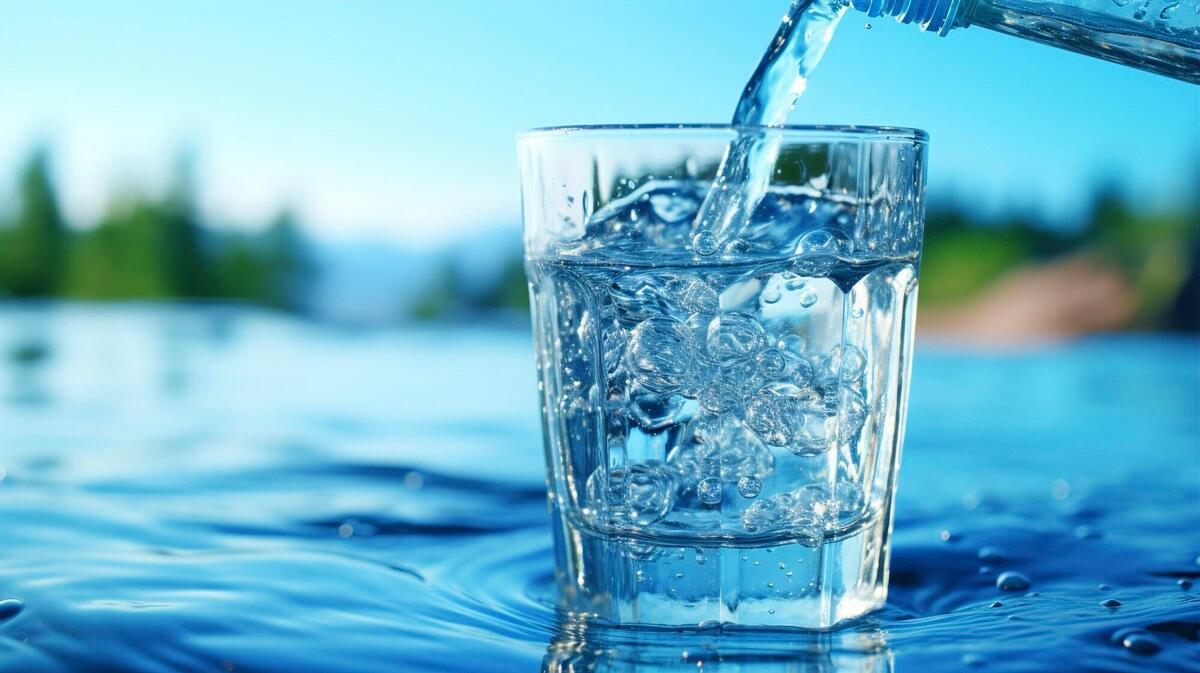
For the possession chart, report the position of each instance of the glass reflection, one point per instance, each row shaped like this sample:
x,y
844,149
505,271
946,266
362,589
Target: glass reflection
x,y
582,646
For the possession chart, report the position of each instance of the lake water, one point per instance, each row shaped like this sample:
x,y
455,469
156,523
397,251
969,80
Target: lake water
x,y
223,490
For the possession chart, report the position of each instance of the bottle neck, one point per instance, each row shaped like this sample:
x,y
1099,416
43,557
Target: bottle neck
x,y
937,16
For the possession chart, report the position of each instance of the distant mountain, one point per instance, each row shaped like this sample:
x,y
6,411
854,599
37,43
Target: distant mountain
x,y
375,282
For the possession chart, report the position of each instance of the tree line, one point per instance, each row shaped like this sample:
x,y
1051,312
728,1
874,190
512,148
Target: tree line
x,y
146,246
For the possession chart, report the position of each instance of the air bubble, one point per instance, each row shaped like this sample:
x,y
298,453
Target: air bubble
x,y
770,362
643,492
704,243
749,487
808,299
734,337
709,491
659,354
821,241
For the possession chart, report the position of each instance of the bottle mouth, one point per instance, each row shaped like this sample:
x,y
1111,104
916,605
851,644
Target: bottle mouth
x,y
932,15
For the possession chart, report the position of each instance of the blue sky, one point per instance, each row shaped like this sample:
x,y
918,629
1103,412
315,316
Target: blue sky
x,y
396,120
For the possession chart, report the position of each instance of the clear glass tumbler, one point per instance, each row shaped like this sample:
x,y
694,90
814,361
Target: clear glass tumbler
x,y
722,412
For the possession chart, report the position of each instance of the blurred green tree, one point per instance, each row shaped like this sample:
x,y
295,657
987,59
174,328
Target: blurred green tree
x,y
185,260
33,248
122,257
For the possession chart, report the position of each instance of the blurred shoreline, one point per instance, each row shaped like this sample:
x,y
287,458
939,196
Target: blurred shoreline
x,y
997,281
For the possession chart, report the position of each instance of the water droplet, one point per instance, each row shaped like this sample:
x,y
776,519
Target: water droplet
x,y
1012,581
985,570
678,576
1086,533
945,535
1103,587
1137,641
1061,489
973,659
709,491
867,26
997,604
1184,584
808,299
10,608
749,487
771,294
857,312
704,243
992,555
1110,603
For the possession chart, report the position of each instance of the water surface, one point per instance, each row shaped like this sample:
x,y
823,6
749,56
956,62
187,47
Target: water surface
x,y
221,490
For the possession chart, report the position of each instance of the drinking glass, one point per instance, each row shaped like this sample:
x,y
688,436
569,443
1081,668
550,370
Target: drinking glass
x,y
723,410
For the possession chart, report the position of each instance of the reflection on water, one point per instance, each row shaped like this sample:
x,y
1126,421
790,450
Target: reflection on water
x,y
26,354
578,646
209,489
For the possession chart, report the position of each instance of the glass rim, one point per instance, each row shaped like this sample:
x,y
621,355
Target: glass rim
x,y
849,132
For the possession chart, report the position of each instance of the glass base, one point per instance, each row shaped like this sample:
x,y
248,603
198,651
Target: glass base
x,y
782,585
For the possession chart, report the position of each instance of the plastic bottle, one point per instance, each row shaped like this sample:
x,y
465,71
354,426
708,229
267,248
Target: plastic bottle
x,y
1161,36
